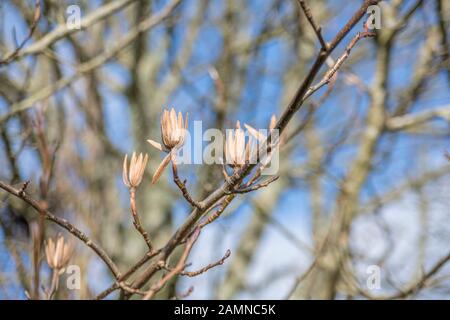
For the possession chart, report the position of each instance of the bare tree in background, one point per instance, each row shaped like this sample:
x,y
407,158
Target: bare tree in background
x,y
363,116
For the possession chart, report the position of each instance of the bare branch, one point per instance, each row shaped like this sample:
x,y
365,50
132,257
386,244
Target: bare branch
x,y
13,55
182,186
64,224
206,268
63,30
317,29
338,64
93,63
411,120
137,221
254,187
177,270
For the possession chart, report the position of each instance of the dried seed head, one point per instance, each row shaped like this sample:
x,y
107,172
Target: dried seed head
x,y
173,130
273,122
237,152
133,177
261,137
58,252
173,133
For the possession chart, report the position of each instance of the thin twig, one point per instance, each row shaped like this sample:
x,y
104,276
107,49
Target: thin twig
x,y
226,201
137,222
129,289
402,294
338,64
93,63
254,187
317,29
177,270
206,268
182,185
126,275
185,294
423,280
64,224
23,188
54,284
13,55
63,30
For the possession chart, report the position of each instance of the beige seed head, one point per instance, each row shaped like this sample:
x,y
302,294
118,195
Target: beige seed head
x,y
237,152
173,134
173,130
273,122
58,252
133,177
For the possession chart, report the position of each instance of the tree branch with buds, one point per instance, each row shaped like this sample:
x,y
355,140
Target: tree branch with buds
x,y
239,174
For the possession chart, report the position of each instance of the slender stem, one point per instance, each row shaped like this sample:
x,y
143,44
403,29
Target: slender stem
x,y
209,266
317,29
177,270
182,184
54,284
127,274
137,222
217,213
